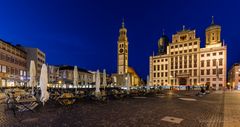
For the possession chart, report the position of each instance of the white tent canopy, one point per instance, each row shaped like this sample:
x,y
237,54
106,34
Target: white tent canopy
x,y
32,81
98,82
43,84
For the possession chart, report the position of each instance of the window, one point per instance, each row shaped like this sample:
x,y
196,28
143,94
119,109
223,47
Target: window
x,y
202,55
195,63
162,74
220,53
190,64
208,63
166,67
21,73
214,71
220,62
190,44
172,47
185,51
165,74
214,54
154,68
208,79
195,81
190,72
220,71
195,43
214,79
158,74
24,73
176,46
190,50
185,45
4,69
176,52
202,72
180,45
202,63
214,62
202,79
195,72
161,67
208,71
158,67
208,54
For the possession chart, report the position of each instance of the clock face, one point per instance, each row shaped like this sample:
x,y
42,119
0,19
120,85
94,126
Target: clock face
x,y
121,50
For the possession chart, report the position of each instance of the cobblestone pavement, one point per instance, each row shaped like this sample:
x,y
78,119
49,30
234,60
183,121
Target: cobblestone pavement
x,y
130,112
232,109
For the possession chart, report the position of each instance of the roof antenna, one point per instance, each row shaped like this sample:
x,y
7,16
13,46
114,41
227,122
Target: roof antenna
x,y
123,23
212,20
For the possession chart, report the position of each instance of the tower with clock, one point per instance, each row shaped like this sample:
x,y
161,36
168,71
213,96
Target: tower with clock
x,y
122,50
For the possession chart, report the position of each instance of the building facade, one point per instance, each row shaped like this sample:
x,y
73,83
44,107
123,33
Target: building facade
x,y
234,76
186,63
63,75
37,56
13,69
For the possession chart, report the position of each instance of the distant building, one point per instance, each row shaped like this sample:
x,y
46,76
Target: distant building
x,y
234,76
53,74
13,69
185,63
37,56
123,69
64,75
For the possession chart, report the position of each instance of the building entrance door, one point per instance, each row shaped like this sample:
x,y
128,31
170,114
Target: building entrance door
x,y
182,81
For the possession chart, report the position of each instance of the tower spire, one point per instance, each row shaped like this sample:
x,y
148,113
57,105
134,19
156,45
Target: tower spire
x,y
183,27
212,20
163,32
123,25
